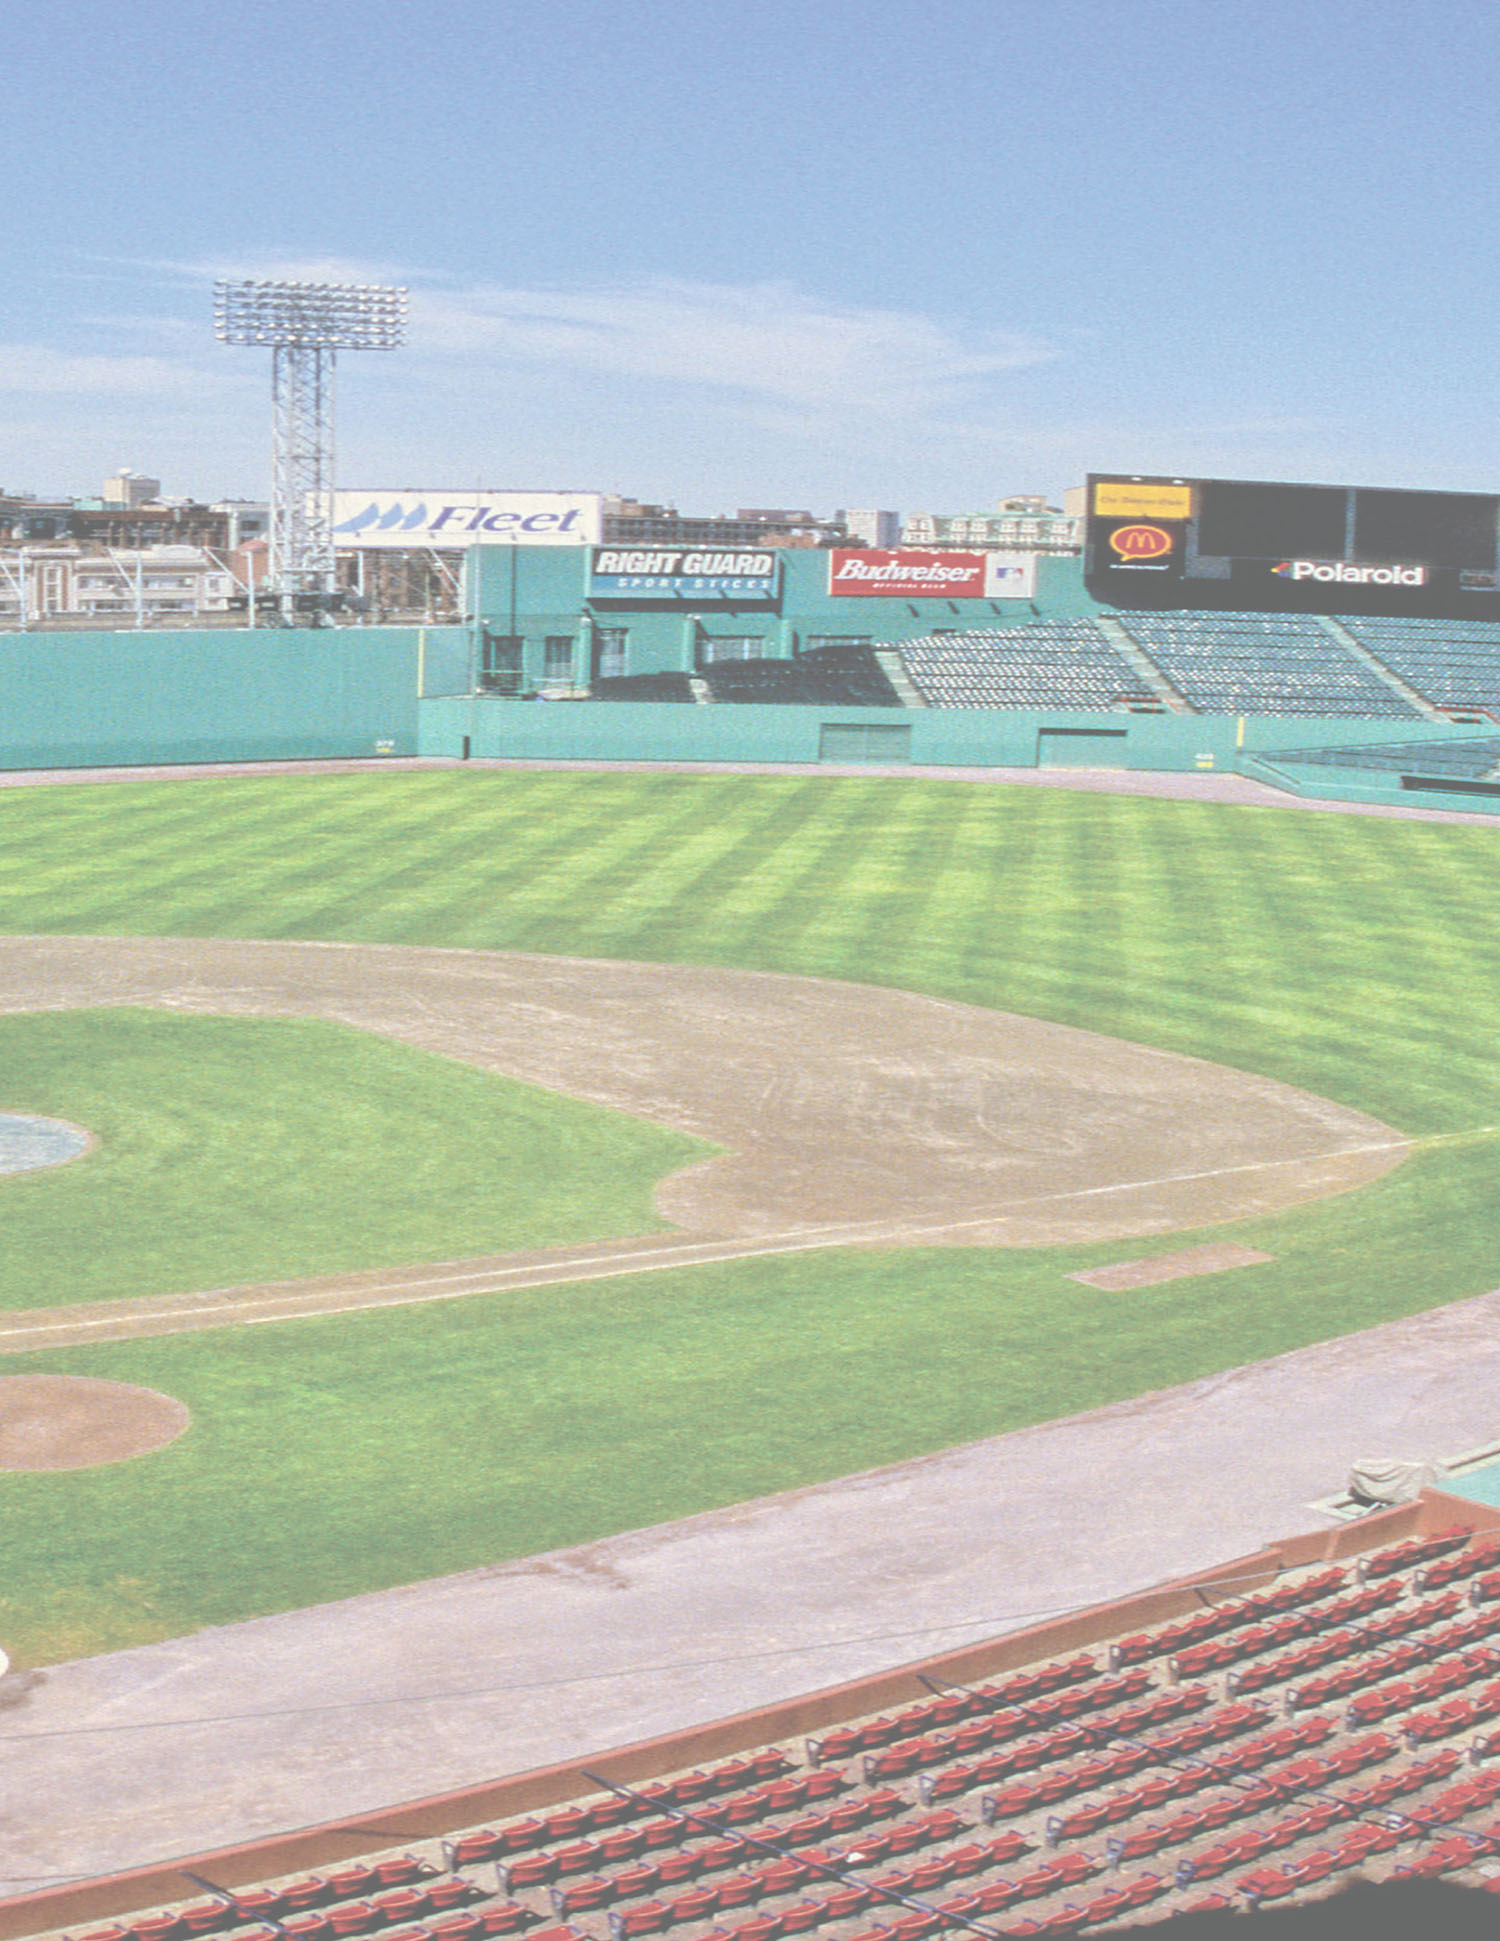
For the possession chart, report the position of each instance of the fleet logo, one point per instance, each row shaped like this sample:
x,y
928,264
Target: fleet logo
x,y
1330,572
1141,542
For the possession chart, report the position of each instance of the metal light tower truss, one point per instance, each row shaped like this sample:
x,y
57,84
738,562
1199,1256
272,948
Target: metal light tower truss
x,y
305,325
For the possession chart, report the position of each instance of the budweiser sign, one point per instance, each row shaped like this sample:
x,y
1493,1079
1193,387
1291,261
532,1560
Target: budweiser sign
x,y
867,573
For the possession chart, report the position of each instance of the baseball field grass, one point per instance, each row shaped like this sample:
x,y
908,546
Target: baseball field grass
x,y
236,1150
1349,955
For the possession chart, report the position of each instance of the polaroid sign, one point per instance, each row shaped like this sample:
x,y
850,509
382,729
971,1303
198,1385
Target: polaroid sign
x,y
683,573
1330,572
868,574
445,520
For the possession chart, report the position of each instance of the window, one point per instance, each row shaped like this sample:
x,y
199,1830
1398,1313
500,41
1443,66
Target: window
x,y
557,657
612,648
813,641
730,647
500,663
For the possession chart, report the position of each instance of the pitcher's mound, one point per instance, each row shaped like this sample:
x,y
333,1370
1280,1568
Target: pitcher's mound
x,y
78,1422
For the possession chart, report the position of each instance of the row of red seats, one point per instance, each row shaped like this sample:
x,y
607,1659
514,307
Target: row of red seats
x,y
907,1924
1161,1787
1368,1669
1482,1554
1416,1550
1034,1683
1448,1675
844,1898
1031,1754
1192,1630
675,1861
572,1822
1458,1850
1263,1637
779,1874
293,1897
939,1748
1454,1716
359,1916
1340,1643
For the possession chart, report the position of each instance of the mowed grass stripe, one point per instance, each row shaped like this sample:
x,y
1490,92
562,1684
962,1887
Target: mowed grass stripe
x,y
1028,907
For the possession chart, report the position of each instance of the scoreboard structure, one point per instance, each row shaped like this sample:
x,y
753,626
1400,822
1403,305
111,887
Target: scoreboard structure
x,y
1254,547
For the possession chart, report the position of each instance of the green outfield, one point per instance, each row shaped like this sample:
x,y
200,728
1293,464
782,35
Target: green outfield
x,y
1351,955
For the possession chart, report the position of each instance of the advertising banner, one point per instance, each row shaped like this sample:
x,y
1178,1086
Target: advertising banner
x,y
1143,499
1259,546
694,573
867,573
403,520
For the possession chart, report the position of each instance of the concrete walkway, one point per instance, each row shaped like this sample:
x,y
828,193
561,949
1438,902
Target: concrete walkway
x,y
261,1727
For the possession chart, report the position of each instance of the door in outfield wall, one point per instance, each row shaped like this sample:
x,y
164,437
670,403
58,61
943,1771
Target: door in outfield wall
x,y
863,741
1082,748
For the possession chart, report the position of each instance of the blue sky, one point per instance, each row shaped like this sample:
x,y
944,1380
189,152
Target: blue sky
x,y
824,254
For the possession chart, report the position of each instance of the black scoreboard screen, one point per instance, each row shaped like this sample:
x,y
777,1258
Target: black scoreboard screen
x,y
1250,546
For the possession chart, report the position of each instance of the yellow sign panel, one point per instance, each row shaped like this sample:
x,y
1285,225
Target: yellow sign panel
x,y
1126,499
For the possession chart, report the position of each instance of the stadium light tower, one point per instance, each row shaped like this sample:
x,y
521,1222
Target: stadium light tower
x,y
305,325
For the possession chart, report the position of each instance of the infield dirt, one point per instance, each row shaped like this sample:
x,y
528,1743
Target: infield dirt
x,y
850,1114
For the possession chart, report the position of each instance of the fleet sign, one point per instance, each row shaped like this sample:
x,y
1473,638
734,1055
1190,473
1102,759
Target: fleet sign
x,y
403,520
865,573
747,578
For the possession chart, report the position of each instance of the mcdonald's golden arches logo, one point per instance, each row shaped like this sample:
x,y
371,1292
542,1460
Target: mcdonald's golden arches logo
x,y
1140,542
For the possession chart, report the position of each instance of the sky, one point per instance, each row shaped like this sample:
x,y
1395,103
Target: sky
x,y
822,255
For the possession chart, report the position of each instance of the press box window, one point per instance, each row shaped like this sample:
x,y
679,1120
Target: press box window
x,y
557,657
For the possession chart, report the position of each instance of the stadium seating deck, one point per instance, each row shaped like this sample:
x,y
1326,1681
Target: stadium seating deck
x,y
1262,663
1454,663
1217,663
1044,664
1343,1719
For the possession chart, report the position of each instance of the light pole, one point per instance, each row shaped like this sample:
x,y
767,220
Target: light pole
x,y
304,325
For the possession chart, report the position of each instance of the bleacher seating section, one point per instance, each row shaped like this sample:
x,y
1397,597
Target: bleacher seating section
x,y
1262,663
1045,664
835,676
1454,663
1341,1721
1214,663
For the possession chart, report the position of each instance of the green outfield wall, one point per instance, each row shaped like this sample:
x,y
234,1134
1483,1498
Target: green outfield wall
x,y
85,700
493,728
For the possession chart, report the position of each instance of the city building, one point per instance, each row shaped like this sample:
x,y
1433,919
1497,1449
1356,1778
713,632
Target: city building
x,y
1025,524
867,527
129,489
67,583
629,522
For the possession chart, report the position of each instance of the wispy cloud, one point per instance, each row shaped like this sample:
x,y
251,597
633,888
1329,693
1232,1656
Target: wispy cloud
x,y
763,340
38,368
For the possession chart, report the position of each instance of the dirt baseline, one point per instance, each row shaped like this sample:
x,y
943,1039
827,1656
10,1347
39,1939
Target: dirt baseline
x,y
838,1103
